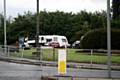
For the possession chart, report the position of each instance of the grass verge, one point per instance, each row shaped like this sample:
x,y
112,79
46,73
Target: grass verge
x,y
72,56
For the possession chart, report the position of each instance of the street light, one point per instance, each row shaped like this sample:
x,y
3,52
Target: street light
x,y
5,41
109,38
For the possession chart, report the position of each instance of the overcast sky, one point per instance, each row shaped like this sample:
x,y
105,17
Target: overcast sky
x,y
20,6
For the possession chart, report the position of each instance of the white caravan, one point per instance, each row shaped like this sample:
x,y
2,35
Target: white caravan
x,y
51,40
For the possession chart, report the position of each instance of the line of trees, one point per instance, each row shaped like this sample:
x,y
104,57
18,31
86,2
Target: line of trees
x,y
116,8
71,25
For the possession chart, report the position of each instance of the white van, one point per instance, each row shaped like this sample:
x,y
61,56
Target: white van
x,y
51,40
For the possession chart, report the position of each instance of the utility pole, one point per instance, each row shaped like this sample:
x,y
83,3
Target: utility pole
x,y
37,33
109,38
5,41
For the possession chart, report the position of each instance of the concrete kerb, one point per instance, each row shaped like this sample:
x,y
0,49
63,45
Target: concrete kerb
x,y
73,78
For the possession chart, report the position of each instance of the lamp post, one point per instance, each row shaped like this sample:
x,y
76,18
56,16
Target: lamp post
x,y
5,41
109,38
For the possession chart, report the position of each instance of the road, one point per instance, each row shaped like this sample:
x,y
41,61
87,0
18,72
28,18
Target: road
x,y
13,71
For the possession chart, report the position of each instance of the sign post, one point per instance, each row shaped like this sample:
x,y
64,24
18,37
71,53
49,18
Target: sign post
x,y
62,62
109,38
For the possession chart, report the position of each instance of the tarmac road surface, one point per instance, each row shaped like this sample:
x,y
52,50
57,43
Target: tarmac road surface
x,y
13,71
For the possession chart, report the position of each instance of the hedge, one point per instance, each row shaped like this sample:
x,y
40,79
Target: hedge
x,y
97,39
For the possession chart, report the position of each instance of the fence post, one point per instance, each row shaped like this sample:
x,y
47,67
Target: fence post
x,y
8,51
91,57
22,53
53,54
41,56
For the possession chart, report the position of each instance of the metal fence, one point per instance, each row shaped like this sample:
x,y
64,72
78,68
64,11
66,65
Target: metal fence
x,y
76,58
10,50
89,56
2,51
83,58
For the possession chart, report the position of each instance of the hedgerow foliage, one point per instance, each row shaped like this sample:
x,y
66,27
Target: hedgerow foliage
x,y
97,39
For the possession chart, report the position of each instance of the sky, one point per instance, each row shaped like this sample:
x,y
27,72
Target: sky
x,y
20,6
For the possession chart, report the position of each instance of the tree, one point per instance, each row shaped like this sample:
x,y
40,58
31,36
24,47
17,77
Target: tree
x,y
20,26
71,25
116,8
97,39
2,27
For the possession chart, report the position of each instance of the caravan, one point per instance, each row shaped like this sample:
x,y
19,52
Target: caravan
x,y
50,40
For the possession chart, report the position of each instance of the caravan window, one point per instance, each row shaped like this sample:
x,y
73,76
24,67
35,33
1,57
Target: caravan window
x,y
48,40
55,39
42,38
64,40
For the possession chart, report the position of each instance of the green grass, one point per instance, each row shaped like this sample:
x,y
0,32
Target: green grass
x,y
72,56
82,57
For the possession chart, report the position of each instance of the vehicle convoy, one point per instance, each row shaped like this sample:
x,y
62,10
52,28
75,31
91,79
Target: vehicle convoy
x,y
49,40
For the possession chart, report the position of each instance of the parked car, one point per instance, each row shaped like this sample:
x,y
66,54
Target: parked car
x,y
76,44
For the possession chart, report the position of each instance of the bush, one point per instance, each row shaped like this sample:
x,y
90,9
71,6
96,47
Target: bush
x,y
97,39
